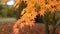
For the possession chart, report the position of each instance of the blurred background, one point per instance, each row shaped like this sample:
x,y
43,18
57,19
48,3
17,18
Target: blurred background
x,y
7,16
7,12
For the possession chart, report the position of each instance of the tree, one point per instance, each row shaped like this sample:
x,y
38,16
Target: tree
x,y
34,8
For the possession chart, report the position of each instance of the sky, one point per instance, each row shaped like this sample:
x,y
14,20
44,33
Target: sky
x,y
11,2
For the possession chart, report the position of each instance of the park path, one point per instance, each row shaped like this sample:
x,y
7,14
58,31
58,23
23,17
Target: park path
x,y
7,19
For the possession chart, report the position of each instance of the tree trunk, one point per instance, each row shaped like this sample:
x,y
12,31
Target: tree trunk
x,y
46,26
20,8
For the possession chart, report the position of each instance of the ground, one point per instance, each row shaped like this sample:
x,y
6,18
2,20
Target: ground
x,y
7,28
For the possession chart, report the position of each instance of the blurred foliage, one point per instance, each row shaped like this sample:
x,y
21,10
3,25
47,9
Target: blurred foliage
x,y
1,7
51,18
7,11
11,12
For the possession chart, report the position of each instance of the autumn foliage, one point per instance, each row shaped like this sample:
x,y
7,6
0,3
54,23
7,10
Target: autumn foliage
x,y
5,1
34,7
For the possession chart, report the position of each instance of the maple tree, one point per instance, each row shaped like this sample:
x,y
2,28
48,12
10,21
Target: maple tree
x,y
34,7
